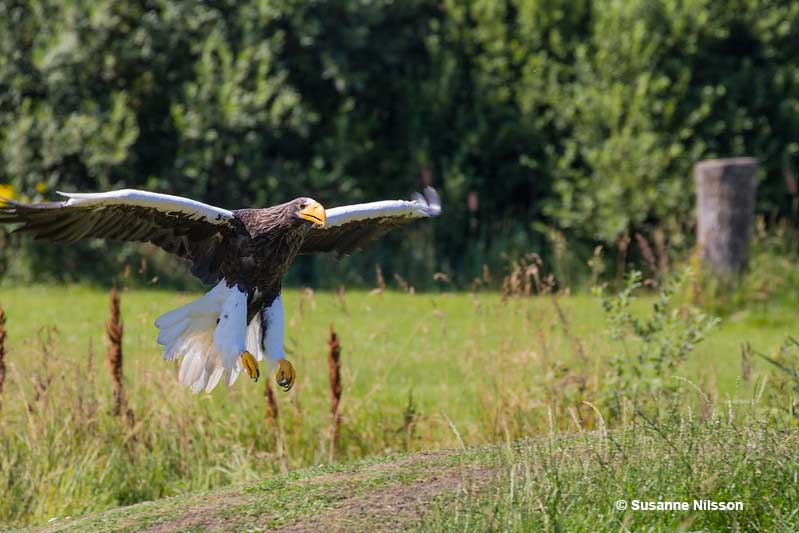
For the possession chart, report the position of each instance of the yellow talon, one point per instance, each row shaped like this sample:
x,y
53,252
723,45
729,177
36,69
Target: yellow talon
x,y
285,375
250,365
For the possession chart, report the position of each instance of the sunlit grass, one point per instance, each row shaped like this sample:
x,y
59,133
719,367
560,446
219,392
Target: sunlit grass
x,y
436,370
575,482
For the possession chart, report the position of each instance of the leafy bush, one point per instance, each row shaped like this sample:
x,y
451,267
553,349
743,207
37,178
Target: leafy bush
x,y
586,116
653,347
660,85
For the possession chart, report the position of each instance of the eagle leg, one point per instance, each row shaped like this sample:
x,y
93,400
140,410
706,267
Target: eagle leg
x,y
250,365
273,328
285,375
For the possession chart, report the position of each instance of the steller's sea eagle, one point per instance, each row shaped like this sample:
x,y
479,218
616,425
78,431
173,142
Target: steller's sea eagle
x,y
245,253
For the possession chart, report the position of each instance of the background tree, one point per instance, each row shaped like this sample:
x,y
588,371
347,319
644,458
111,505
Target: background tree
x,y
535,118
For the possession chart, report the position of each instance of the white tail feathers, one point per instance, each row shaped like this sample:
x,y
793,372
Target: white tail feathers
x,y
210,333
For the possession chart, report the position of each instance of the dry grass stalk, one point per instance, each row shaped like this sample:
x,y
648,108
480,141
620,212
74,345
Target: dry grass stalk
x,y
342,302
86,401
43,377
512,284
273,419
404,285
525,278
746,362
294,435
380,281
114,329
659,236
2,352
648,254
334,372
477,284
307,300
621,259
487,278
442,277
596,265
272,411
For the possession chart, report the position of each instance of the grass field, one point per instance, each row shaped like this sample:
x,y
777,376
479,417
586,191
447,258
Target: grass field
x,y
420,372
551,483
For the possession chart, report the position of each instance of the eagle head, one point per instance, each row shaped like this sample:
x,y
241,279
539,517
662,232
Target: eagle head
x,y
310,210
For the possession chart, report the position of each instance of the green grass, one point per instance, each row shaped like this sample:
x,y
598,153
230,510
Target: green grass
x,y
309,495
420,372
573,483
551,483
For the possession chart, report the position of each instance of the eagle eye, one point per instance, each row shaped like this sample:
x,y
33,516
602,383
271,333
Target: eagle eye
x,y
302,205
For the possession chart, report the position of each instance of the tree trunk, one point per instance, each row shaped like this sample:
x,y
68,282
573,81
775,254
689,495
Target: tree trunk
x,y
725,191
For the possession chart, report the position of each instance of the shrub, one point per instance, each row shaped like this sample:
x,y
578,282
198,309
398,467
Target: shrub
x,y
652,347
584,116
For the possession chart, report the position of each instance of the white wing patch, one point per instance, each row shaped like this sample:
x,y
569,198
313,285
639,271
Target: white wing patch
x,y
420,206
161,202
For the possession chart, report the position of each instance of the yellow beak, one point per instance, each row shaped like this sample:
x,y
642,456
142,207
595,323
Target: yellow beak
x,y
314,212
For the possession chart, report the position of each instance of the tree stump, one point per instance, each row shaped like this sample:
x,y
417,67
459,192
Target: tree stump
x,y
725,191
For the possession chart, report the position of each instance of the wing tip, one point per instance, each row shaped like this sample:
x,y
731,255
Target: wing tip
x,y
71,197
429,201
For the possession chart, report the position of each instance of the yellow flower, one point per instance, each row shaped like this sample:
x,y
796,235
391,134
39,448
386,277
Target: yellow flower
x,y
42,187
7,192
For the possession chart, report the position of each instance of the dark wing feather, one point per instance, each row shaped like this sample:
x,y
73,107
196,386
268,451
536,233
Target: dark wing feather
x,y
180,226
352,227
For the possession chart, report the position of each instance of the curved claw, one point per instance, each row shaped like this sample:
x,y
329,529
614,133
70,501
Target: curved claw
x,y
285,375
250,365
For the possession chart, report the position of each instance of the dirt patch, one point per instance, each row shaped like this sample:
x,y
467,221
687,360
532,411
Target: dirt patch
x,y
385,496
203,516
395,507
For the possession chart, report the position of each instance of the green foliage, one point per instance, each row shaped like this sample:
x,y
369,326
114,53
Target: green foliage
x,y
772,275
658,86
784,394
789,352
581,116
655,346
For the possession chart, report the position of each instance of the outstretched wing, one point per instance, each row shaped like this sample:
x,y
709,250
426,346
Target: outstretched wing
x,y
184,227
352,227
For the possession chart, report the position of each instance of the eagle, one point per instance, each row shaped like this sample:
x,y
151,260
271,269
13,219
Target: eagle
x,y
244,254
